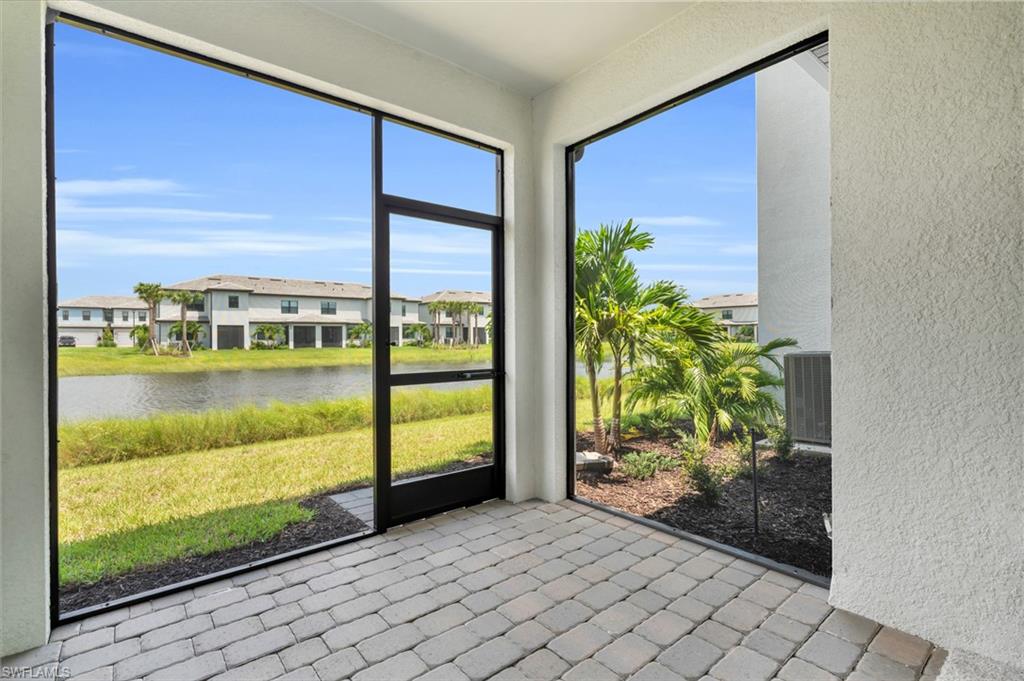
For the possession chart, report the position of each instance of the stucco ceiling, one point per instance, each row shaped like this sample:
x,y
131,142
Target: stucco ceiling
x,y
527,46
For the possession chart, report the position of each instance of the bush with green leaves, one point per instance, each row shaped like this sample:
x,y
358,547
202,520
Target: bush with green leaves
x,y
107,339
643,465
705,477
781,441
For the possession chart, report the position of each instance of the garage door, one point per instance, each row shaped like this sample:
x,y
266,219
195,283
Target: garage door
x,y
229,337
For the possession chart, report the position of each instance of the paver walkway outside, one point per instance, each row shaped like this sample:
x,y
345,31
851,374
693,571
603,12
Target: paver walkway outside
x,y
503,591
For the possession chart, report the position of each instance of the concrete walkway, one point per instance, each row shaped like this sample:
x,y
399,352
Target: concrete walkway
x,y
504,591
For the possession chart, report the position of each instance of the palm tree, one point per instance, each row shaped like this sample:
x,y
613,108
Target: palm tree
x,y
151,295
435,308
615,312
362,333
270,333
716,389
475,310
418,331
184,299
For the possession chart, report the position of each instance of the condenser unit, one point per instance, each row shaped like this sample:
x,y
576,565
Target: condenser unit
x,y
808,378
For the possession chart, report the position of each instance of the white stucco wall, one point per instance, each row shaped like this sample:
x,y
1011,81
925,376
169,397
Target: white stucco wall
x,y
288,40
793,232
926,130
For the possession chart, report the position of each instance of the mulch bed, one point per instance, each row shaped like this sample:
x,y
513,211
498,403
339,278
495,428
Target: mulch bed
x,y
792,496
330,522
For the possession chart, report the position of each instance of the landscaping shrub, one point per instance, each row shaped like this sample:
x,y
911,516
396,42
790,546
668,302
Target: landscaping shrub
x,y
85,443
106,339
781,441
704,476
643,465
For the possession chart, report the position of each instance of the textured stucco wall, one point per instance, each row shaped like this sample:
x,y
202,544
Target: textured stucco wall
x,y
23,480
793,231
284,39
926,182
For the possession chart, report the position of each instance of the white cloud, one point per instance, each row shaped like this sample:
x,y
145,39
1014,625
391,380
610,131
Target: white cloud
x,y
74,211
194,243
675,221
446,272
679,267
423,242
120,187
739,249
346,218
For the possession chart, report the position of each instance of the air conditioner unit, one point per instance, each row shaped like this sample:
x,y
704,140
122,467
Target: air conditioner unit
x,y
808,378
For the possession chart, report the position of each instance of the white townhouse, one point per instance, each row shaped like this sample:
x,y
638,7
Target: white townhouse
x,y
734,311
442,325
84,319
313,313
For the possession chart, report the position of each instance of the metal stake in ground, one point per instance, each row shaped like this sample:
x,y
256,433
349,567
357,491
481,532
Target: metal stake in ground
x,y
753,472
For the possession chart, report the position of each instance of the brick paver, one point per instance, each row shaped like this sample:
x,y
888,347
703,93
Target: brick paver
x,y
499,591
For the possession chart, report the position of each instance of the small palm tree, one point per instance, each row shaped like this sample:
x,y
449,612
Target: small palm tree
x,y
140,335
184,299
362,333
716,389
270,333
151,295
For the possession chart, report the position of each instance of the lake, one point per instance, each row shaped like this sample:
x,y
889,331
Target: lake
x,y
137,395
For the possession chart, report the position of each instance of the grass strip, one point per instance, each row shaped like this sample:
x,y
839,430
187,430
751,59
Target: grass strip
x,y
86,443
111,361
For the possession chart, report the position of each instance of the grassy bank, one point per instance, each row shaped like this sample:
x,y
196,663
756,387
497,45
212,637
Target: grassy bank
x,y
98,441
117,516
108,361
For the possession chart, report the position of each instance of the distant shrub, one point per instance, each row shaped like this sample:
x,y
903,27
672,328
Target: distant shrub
x,y
643,465
107,339
781,441
706,478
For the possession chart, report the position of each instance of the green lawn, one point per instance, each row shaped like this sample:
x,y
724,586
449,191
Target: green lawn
x,y
106,361
117,516
134,512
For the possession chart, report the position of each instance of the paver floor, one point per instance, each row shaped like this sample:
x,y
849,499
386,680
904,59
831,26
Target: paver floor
x,y
502,591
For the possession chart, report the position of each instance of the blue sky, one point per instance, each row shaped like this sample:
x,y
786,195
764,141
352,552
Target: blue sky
x,y
688,176
169,170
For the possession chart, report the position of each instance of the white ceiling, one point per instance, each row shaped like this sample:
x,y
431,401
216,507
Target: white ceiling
x,y
527,46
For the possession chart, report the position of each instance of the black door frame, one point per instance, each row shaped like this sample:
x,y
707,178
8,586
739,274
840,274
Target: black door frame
x,y
494,222
397,503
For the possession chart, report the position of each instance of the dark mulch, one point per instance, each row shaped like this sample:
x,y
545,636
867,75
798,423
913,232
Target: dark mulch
x,y
792,496
330,522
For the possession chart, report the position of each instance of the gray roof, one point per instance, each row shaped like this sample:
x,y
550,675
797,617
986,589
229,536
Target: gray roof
x,y
107,302
726,300
278,286
450,295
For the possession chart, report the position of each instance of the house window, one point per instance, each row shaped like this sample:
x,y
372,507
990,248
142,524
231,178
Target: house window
x,y
726,314
124,315
289,307
403,309
142,316
233,302
328,307
196,307
108,316
64,315
86,315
